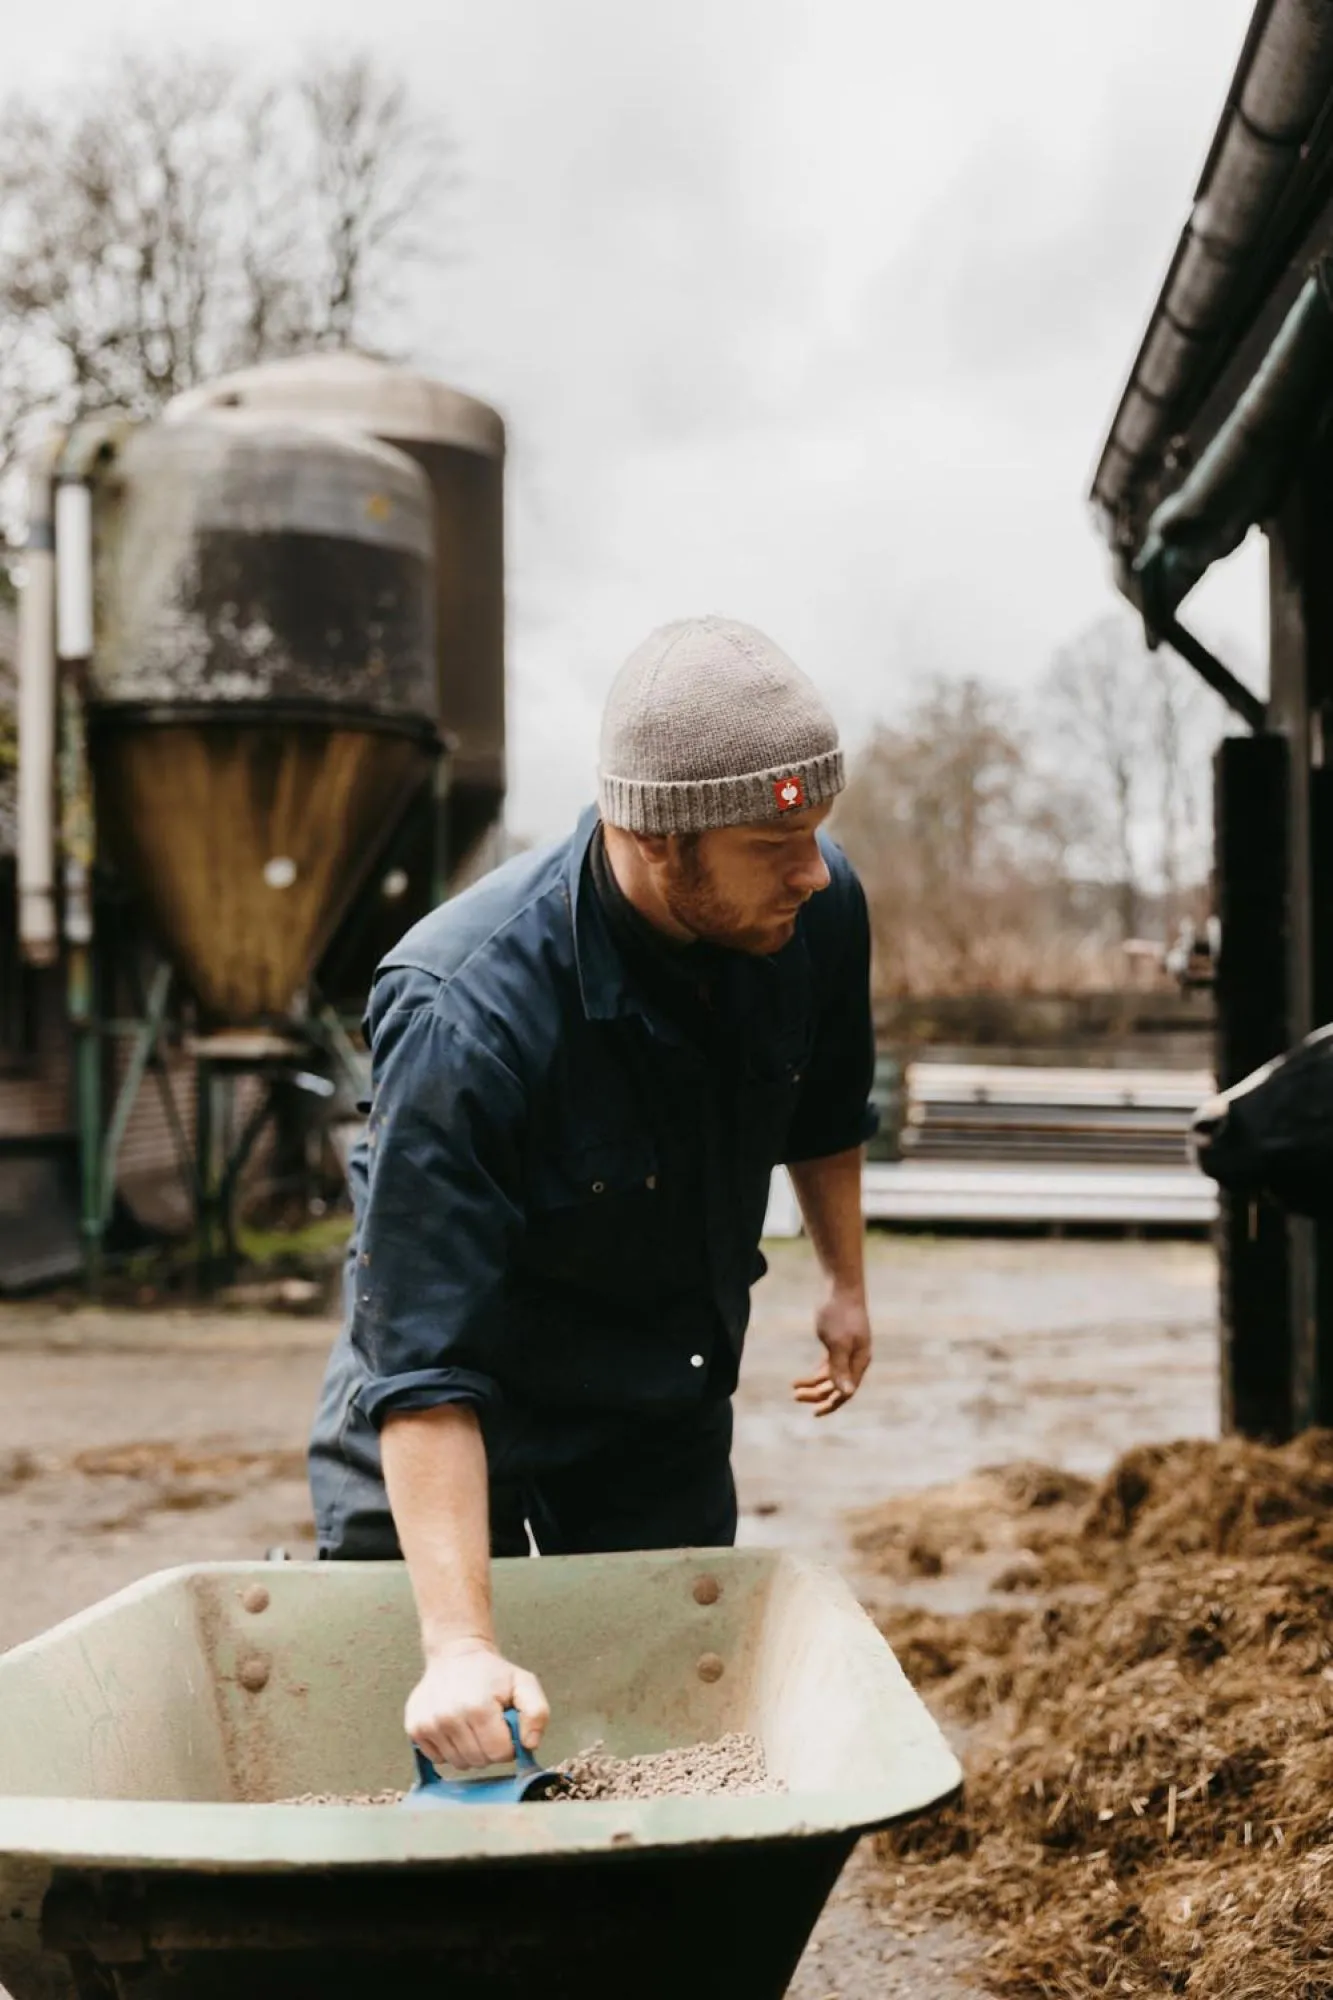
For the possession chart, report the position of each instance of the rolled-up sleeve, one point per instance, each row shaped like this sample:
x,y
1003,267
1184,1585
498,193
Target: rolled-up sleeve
x,y
834,1111
439,1213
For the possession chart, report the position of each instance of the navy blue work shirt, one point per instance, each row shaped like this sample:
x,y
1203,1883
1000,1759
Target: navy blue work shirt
x,y
559,1196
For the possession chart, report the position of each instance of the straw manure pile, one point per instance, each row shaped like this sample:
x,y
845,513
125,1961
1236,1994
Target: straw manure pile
x,y
1145,1706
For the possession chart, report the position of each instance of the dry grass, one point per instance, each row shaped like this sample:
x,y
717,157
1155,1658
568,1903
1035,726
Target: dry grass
x,y
1013,957
1149,1747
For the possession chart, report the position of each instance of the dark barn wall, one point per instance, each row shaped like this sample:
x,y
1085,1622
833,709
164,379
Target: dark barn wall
x,y
1251,832
1301,711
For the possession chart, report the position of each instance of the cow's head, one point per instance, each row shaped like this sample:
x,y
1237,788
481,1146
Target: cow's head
x,y
1272,1134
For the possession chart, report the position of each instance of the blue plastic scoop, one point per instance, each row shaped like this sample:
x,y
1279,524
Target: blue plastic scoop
x,y
529,1781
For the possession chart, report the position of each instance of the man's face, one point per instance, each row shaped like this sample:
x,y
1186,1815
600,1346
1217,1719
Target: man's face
x,y
742,886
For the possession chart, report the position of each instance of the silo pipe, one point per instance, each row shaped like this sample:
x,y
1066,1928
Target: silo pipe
x,y
90,443
74,650
74,569
37,929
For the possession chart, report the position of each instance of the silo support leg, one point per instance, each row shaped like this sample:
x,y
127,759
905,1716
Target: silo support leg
x,y
219,1164
205,1173
231,1175
89,1086
88,1108
142,1053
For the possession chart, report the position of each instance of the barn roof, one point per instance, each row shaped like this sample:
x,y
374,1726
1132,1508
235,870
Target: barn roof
x,y
1260,221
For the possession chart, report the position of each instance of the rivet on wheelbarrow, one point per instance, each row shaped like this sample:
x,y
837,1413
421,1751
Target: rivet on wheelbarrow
x,y
529,1782
710,1667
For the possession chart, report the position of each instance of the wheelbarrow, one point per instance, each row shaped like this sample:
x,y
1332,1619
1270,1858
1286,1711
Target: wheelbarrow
x,y
147,1747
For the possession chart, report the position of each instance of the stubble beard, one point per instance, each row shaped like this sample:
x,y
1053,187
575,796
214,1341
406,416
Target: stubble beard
x,y
694,902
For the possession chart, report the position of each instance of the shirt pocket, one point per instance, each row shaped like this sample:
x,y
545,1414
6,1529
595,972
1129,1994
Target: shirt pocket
x,y
768,1092
593,1213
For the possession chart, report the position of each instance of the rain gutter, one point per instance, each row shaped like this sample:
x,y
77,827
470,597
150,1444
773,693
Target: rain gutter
x,y
1239,480
1278,103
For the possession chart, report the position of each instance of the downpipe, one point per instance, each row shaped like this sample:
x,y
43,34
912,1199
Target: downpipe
x,y
74,650
38,932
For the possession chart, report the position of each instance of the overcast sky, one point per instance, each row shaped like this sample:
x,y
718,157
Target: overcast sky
x,y
810,312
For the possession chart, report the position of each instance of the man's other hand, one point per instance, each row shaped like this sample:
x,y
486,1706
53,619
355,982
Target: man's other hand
x,y
843,1325
455,1713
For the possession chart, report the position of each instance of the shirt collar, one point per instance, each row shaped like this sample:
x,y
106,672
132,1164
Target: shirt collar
x,y
603,982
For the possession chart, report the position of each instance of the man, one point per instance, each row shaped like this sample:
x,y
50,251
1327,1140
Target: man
x,y
585,1069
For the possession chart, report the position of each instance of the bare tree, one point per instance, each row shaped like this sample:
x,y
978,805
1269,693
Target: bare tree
x,y
1137,729
375,172
1173,692
1095,700
177,219
962,844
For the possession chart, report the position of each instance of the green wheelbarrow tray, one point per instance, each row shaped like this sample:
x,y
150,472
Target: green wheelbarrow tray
x,y
147,1746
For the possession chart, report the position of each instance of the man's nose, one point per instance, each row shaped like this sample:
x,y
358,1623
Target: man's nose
x,y
810,874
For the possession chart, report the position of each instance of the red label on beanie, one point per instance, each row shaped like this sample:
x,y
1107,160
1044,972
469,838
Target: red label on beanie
x,y
789,793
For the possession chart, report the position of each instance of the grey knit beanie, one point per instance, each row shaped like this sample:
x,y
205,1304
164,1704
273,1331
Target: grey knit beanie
x,y
708,723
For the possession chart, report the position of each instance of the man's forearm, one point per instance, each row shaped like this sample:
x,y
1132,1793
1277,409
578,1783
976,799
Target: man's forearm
x,y
435,1474
829,1191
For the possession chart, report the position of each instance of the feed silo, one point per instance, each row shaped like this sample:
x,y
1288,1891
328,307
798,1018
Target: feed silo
x,y
261,695
459,443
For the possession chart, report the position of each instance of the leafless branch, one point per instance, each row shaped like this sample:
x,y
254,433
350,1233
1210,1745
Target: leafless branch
x,y
1138,730
177,219
376,172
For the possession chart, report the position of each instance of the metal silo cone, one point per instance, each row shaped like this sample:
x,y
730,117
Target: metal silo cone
x,y
247,839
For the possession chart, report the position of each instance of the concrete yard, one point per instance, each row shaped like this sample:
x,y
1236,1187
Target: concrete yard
x,y
132,1441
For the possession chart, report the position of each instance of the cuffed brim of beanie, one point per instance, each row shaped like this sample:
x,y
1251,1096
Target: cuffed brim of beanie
x,y
696,805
